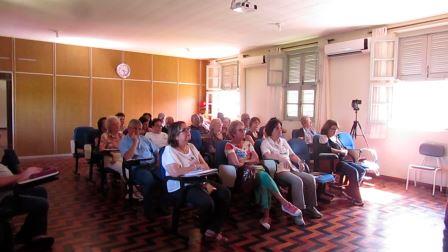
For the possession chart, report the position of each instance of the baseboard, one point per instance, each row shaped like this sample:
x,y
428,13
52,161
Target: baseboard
x,y
411,183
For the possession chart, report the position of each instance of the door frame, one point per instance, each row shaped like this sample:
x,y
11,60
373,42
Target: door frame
x,y
9,119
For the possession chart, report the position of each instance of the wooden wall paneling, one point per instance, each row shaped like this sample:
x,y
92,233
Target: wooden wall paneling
x,y
34,56
188,101
72,60
165,99
165,68
141,65
5,54
202,93
189,70
33,132
137,99
106,98
104,62
72,109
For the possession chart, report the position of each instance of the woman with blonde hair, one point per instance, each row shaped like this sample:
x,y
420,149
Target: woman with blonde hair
x,y
242,155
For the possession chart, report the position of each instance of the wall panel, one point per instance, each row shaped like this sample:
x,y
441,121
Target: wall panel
x,y
141,65
104,62
5,54
137,99
189,70
72,60
165,99
188,101
165,68
106,98
34,56
72,109
33,114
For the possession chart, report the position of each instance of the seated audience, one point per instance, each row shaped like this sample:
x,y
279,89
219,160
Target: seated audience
x,y
204,122
245,118
303,185
161,116
122,118
354,172
168,121
215,135
252,134
306,132
156,135
220,115
242,155
148,116
101,124
32,201
135,146
212,199
145,125
196,125
111,140
225,127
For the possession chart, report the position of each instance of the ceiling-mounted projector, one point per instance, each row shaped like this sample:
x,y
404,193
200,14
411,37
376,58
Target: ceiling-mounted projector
x,y
243,6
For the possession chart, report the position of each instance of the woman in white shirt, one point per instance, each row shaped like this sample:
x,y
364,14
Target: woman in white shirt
x,y
181,157
303,185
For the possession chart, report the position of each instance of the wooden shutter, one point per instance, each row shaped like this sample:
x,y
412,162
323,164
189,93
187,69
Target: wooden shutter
x,y
310,66
276,66
294,66
412,58
438,55
229,76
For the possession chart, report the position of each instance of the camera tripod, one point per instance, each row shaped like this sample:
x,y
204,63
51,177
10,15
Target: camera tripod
x,y
354,130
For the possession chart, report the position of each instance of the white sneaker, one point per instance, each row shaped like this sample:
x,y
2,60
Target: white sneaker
x,y
290,209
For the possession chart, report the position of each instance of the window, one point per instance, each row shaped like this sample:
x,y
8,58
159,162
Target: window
x,y
423,57
230,76
218,101
301,85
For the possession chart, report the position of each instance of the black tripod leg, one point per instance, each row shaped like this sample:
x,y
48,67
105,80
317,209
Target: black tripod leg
x,y
353,130
362,133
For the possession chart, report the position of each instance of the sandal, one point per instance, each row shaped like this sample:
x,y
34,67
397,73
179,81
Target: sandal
x,y
210,235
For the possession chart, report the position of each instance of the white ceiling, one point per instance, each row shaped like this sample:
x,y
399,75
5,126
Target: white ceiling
x,y
208,28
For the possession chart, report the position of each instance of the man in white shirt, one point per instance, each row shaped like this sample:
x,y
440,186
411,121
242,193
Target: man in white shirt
x,y
158,137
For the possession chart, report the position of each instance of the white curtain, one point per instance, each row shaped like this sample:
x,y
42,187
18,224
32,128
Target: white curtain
x,y
323,87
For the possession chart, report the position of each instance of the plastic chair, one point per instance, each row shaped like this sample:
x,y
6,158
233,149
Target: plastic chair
x,y
366,157
295,133
226,172
196,139
429,151
83,140
270,164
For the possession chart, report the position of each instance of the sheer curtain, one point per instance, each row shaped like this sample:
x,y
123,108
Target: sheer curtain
x,y
323,90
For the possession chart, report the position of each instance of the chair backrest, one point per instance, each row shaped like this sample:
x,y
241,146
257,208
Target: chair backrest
x,y
295,133
300,148
160,172
220,156
432,149
346,140
261,131
257,147
196,139
84,135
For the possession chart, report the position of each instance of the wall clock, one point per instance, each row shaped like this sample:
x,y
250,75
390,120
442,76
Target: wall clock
x,y
123,70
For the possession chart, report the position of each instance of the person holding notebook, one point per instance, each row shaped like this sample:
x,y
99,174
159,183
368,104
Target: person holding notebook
x,y
32,201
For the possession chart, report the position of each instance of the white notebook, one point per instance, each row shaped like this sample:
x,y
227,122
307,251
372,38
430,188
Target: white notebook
x,y
200,173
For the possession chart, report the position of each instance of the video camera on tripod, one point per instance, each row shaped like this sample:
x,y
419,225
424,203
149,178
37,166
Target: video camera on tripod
x,y
356,124
355,104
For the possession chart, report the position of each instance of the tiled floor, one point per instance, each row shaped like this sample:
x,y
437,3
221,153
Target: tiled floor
x,y
81,219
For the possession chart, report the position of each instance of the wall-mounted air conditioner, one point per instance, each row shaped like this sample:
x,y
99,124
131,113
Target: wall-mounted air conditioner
x,y
252,61
352,46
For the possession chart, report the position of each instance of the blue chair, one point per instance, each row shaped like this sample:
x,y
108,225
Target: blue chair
x,y
300,148
295,133
226,172
429,151
83,136
196,139
366,157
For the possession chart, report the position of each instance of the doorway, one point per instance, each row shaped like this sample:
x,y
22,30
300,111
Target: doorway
x,y
6,141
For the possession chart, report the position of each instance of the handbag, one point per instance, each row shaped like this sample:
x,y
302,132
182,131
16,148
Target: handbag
x,y
248,177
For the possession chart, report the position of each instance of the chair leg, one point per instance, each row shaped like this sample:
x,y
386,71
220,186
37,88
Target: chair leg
x,y
76,166
415,177
434,183
407,179
131,193
441,176
90,170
